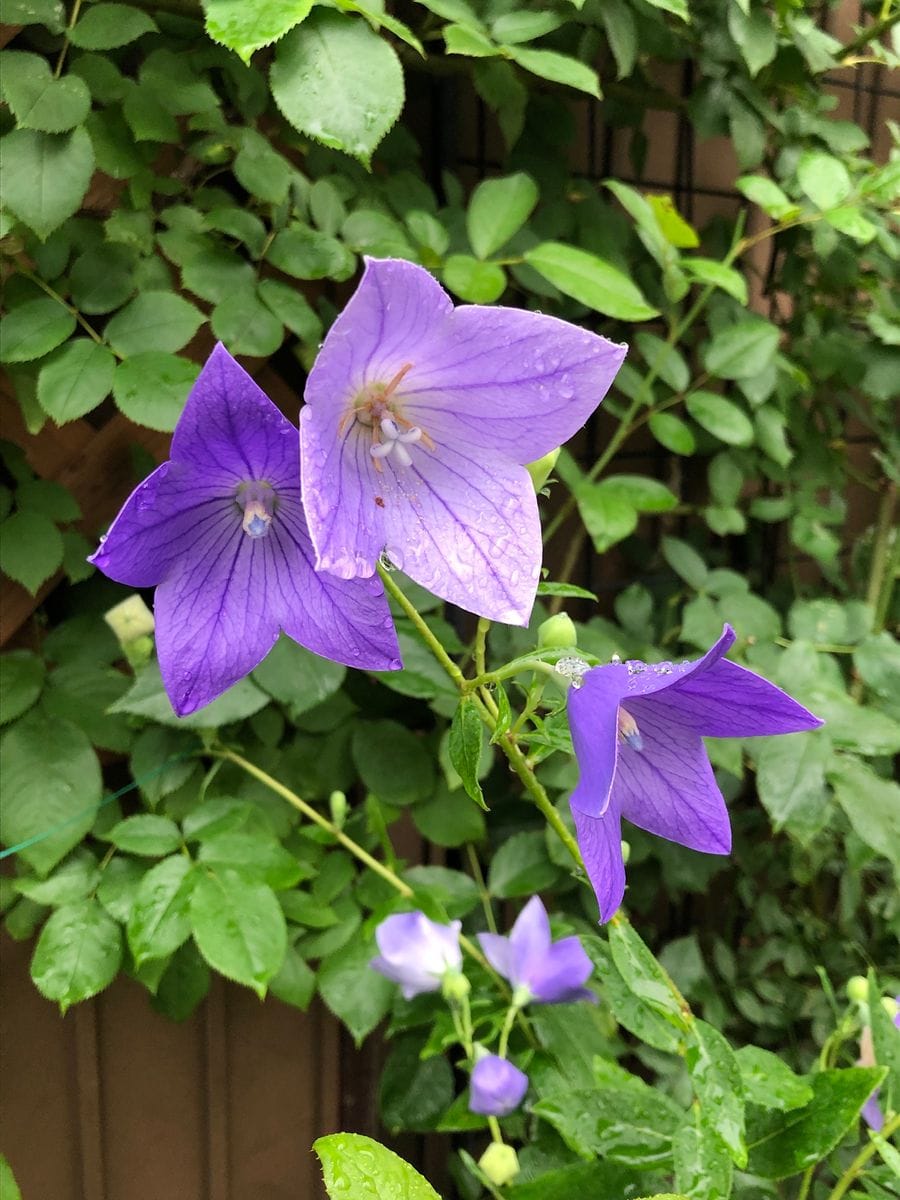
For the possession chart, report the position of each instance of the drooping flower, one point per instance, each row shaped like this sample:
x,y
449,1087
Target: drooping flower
x,y
638,732
538,968
417,953
497,1086
219,531
419,420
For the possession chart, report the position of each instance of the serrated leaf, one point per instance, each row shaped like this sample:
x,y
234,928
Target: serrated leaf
x,y
465,746
239,927
31,549
558,68
33,330
159,920
21,680
154,320
362,1169
356,994
152,388
37,99
77,378
338,82
45,176
77,954
246,28
145,834
498,209
107,26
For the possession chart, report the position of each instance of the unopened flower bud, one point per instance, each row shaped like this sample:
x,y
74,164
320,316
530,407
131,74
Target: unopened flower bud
x,y
130,620
500,1163
337,802
139,652
540,469
497,1086
858,989
891,1007
557,632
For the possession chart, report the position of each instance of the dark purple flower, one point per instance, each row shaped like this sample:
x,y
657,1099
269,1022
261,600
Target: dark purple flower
x,y
219,531
538,968
419,420
497,1087
638,733
417,953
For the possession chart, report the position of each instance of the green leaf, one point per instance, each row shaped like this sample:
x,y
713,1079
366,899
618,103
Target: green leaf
x,y
474,281
356,994
246,325
720,417
768,195
151,388
33,330
624,1124
31,549
49,13
101,282
239,927
783,1144
514,27
558,68
392,762
358,1168
291,308
717,1083
521,866
119,885
107,26
742,350
872,804
78,953
755,34
45,176
590,280
769,1082
673,433
338,82
666,361
9,1189
790,779
71,882
261,169
461,39
295,983
608,516
297,677
160,920
498,209
414,1092
641,492
77,378
678,8
37,99
147,118
643,974
147,698
154,320
217,273
717,274
245,28
145,834
21,680
448,819
183,985
849,220
465,746
308,254
823,178
703,1170
256,856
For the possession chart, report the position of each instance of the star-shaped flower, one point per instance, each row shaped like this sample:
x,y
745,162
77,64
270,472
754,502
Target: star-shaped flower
x,y
638,732
219,531
417,953
538,968
419,420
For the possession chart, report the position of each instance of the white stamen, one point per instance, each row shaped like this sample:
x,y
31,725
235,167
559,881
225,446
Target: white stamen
x,y
396,442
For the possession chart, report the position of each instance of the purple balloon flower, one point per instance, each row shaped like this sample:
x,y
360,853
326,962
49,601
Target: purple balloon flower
x,y
219,531
417,953
872,1112
538,968
497,1087
638,733
419,420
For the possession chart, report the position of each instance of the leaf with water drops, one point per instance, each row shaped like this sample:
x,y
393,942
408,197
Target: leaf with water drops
x,y
78,953
359,1168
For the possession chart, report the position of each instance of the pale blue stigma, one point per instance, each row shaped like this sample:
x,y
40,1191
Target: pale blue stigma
x,y
256,526
257,500
628,730
634,740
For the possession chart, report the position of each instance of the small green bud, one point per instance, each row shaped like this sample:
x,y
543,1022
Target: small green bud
x,y
540,469
130,620
499,1163
626,852
455,987
858,989
337,802
890,1006
139,651
557,632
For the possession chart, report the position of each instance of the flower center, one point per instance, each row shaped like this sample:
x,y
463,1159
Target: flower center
x,y
628,730
377,407
256,500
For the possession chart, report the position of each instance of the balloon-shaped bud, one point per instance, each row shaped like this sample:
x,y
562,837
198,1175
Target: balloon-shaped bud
x,y
500,1163
337,802
557,632
858,989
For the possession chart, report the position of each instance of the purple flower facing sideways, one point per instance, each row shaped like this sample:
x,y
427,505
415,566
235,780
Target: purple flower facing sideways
x,y
637,730
539,969
417,953
872,1112
219,531
497,1087
418,423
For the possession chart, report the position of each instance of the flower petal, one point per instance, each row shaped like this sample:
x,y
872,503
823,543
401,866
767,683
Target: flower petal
x,y
530,935
397,309
668,787
727,700
346,620
600,842
498,952
593,712
163,515
557,977
509,381
232,431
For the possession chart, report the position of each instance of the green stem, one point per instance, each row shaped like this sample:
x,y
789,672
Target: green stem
x,y
73,18
889,1127
424,632
882,569
508,1021
509,671
494,1127
483,892
54,295
480,645
805,1183
886,21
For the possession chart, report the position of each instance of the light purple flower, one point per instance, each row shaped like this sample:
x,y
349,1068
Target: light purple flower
x,y
219,531
419,420
497,1087
546,971
872,1112
417,953
638,733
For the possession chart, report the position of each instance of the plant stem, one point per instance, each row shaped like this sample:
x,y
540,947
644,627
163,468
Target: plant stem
x,y
480,640
422,628
494,1127
886,21
508,1021
485,895
73,18
54,295
889,1127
